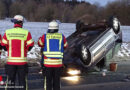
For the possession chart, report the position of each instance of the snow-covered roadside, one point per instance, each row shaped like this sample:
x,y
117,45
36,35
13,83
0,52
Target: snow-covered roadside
x,y
125,50
124,53
35,54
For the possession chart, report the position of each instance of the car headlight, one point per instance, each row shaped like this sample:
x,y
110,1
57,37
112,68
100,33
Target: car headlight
x,y
73,72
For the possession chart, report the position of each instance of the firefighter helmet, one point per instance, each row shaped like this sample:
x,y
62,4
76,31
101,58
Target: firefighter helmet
x,y
53,25
18,19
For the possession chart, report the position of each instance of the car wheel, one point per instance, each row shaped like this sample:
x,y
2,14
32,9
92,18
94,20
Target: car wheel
x,y
85,55
114,24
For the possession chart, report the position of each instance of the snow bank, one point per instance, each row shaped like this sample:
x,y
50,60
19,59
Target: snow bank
x,y
125,50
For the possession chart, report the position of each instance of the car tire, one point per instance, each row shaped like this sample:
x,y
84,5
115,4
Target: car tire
x,y
85,55
114,23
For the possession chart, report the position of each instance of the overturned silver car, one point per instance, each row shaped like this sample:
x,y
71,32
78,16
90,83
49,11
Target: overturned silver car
x,y
92,44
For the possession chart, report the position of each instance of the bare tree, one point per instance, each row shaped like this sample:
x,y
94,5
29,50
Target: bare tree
x,y
7,5
16,8
29,10
2,9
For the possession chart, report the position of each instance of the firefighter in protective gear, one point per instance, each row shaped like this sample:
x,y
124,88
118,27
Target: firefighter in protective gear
x,y
17,41
53,44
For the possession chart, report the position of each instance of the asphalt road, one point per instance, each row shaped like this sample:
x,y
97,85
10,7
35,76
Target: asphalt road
x,y
119,80
101,86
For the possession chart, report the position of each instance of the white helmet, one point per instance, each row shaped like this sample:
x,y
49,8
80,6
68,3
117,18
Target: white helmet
x,y
18,18
53,25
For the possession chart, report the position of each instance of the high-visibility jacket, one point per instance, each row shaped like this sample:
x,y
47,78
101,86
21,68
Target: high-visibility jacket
x,y
53,47
0,44
17,42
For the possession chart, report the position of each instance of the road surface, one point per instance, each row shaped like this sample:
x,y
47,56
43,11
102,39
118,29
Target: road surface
x,y
119,80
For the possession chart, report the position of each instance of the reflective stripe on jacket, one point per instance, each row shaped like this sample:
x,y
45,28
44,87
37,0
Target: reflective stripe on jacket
x,y
53,48
53,58
17,41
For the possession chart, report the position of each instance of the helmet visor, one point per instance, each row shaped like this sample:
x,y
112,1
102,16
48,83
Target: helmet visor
x,y
52,30
16,21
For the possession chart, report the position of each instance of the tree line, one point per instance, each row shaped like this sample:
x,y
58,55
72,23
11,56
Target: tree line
x,y
65,10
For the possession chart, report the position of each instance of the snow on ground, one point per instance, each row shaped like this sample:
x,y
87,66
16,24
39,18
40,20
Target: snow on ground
x,y
39,28
125,50
126,33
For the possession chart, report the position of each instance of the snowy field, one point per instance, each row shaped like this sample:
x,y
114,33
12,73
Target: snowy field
x,y
39,28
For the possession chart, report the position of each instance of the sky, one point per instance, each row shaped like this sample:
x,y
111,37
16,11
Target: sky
x,y
101,2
